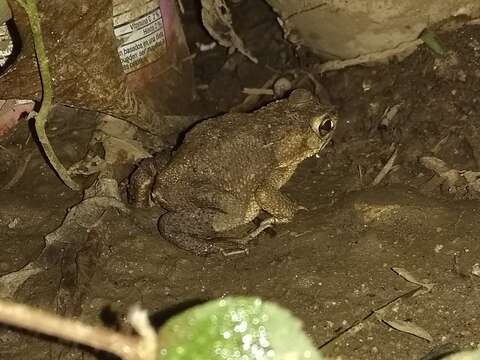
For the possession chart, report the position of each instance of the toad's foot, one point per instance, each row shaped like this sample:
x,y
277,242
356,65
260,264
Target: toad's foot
x,y
265,224
230,247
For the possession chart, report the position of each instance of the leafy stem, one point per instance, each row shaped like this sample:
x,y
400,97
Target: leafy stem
x,y
31,9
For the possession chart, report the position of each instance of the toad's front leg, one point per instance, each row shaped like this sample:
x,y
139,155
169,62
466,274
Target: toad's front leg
x,y
278,205
142,179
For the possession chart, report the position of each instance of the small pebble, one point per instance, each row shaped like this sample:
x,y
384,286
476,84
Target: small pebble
x,y
476,269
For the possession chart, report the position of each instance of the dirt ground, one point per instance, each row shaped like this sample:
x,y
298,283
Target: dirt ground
x,y
332,266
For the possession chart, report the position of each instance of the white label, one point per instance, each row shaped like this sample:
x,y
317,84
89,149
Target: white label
x,y
6,45
138,26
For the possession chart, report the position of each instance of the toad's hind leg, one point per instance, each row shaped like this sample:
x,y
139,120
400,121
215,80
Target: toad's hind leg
x,y
192,230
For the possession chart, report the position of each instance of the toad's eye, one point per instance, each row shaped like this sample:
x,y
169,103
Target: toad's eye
x,y
323,125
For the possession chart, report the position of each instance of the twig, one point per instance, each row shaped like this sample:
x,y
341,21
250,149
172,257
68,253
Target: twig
x,y
181,7
316,84
304,10
357,323
126,347
18,174
386,169
250,101
8,151
30,7
442,141
138,318
360,174
175,66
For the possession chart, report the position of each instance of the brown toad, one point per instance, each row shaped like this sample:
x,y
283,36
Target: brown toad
x,y
230,168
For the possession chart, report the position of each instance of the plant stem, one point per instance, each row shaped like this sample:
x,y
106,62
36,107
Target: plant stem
x,y
30,7
126,347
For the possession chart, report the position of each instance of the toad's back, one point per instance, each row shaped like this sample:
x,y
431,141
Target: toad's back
x,y
231,155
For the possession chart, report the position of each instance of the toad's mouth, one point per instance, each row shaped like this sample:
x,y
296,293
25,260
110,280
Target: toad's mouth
x,y
317,144
313,145
308,152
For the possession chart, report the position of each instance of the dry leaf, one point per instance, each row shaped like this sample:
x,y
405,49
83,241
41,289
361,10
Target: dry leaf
x,y
10,283
116,127
257,91
389,114
410,278
409,328
476,269
435,164
87,166
116,136
217,19
122,151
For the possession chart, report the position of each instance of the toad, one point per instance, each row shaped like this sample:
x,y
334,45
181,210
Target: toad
x,y
230,168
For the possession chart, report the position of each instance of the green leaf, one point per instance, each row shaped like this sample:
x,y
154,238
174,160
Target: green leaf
x,y
465,355
430,39
232,328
